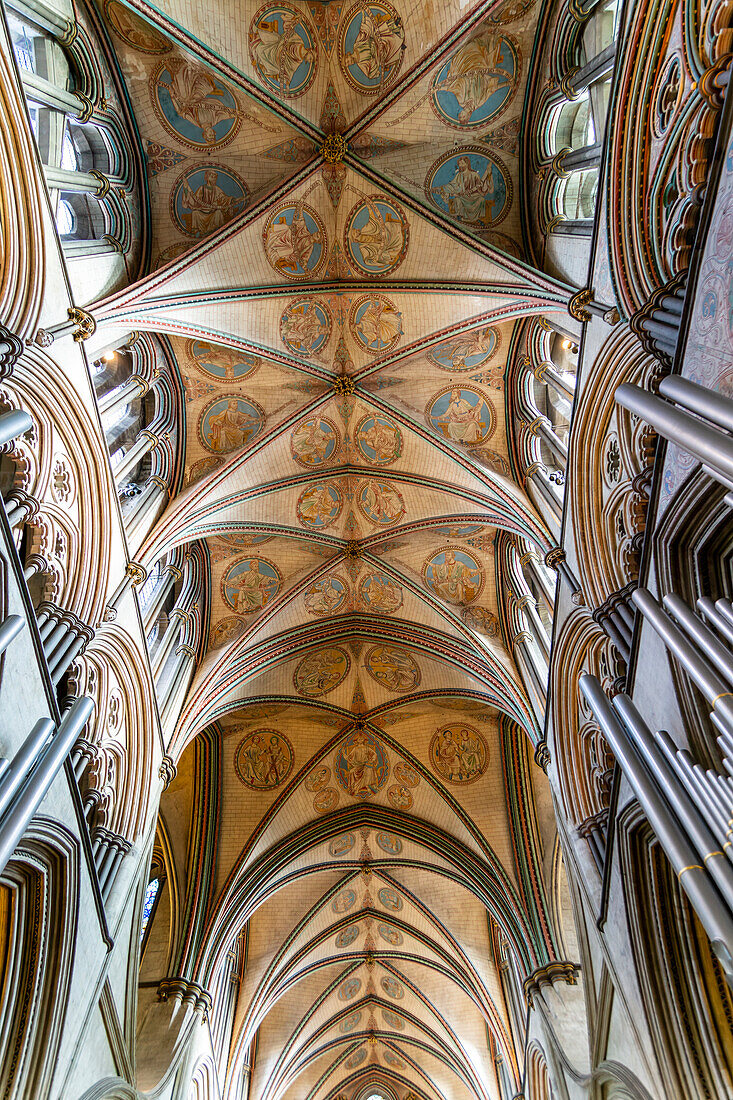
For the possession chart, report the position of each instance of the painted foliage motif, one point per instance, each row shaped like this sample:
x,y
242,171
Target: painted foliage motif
x,y
381,503
321,672
470,186
295,240
205,198
283,49
454,575
305,326
466,352
463,415
264,758
459,753
193,105
220,362
393,668
319,506
361,765
314,441
379,439
376,236
375,323
135,31
228,423
380,594
327,596
249,584
371,46
478,81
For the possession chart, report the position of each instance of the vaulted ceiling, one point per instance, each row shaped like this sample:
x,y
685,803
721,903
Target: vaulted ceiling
x,y
338,265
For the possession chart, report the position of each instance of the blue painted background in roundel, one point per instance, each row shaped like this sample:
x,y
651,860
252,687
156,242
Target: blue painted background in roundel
x,y
347,935
223,362
295,240
372,46
283,49
196,106
206,198
376,236
466,352
228,423
477,82
469,186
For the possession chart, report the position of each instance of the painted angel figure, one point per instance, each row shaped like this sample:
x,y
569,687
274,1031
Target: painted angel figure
x,y
379,43
209,206
470,196
380,240
198,97
280,53
474,75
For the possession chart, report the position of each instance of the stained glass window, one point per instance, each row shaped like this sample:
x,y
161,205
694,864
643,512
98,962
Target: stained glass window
x,y
151,894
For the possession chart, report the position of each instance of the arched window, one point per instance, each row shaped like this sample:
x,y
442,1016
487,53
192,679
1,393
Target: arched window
x,y
151,896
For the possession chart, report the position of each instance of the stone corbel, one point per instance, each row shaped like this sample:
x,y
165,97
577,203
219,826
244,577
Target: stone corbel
x,y
548,975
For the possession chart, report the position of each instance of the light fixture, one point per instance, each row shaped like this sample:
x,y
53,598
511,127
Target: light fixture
x,y
108,356
567,344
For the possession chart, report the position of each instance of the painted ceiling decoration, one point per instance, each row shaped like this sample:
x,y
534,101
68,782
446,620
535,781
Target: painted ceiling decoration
x,y
339,268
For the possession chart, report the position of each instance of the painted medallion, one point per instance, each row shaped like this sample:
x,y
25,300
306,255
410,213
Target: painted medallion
x,y
264,758
321,672
314,441
340,845
453,575
389,843
326,800
478,81
226,631
379,439
375,323
229,423
392,988
222,363
393,668
392,1059
305,326
400,797
510,11
406,774
376,236
349,989
393,1020
462,415
361,765
470,186
356,1058
295,240
347,935
327,596
350,1023
371,46
206,197
283,49
319,506
459,753
380,594
317,779
390,935
133,30
381,503
249,584
390,899
194,105
466,352
483,620
343,901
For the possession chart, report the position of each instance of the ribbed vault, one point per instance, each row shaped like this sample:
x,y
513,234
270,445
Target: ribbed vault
x,y
355,792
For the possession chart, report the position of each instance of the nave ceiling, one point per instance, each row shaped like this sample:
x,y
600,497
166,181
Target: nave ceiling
x,y
356,743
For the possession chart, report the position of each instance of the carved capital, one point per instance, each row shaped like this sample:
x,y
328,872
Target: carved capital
x,y
547,975
167,771
86,326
